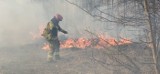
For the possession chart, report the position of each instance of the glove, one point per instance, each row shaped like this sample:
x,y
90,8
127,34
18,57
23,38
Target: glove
x,y
65,32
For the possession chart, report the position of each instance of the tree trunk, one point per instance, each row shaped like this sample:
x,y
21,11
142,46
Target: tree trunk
x,y
151,35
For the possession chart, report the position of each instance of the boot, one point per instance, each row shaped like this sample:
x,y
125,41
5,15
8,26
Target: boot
x,y
50,56
49,59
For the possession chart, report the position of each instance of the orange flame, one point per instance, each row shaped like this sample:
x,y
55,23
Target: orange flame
x,y
98,43
83,43
69,43
46,47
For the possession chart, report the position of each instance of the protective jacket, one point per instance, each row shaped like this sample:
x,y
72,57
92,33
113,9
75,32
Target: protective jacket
x,y
51,31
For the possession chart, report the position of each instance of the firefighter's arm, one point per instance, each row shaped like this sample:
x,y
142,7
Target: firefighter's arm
x,y
63,31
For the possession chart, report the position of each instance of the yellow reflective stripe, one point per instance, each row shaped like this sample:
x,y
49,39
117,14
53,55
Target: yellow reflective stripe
x,y
51,25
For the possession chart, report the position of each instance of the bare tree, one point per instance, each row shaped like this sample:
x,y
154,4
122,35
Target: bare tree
x,y
134,13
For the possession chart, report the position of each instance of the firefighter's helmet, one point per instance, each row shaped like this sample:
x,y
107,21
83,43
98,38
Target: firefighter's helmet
x,y
59,17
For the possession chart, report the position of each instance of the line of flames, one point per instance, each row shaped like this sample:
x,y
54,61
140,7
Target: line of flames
x,y
82,43
100,42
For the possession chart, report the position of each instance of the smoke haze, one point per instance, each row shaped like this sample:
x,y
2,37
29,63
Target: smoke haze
x,y
21,17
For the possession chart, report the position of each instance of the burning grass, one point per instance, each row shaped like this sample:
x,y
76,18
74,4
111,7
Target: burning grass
x,y
82,43
99,43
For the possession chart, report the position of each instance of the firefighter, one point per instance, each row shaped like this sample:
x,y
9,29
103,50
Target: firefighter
x,y
51,35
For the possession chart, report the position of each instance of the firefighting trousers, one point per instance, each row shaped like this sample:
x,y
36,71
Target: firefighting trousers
x,y
54,48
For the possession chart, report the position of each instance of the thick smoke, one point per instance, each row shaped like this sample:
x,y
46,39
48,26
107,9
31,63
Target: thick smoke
x,y
18,18
21,17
